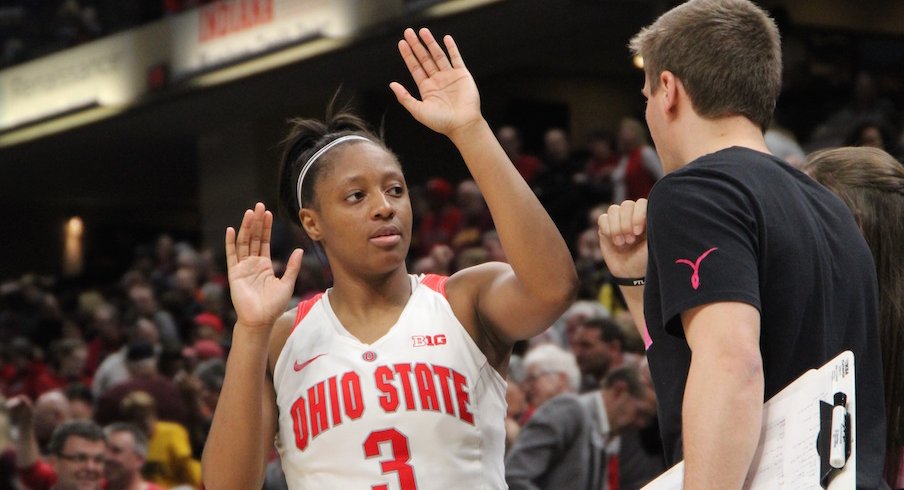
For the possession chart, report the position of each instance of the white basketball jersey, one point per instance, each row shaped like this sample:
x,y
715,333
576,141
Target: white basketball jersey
x,y
420,408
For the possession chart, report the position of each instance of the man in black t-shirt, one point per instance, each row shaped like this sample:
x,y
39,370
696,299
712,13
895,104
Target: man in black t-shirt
x,y
754,274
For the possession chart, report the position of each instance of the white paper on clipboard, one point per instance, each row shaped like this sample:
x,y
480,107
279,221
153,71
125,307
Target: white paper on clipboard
x,y
786,456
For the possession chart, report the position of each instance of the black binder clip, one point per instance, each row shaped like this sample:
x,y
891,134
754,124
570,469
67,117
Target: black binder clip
x,y
834,441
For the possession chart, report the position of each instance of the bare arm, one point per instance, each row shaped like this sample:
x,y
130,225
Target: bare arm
x,y
244,423
723,398
634,300
541,280
623,242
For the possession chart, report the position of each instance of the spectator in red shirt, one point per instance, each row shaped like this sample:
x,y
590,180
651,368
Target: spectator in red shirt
x,y
21,369
639,167
528,165
67,365
602,160
443,219
108,335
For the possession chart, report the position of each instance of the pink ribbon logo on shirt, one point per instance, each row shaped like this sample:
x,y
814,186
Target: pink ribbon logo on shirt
x,y
695,266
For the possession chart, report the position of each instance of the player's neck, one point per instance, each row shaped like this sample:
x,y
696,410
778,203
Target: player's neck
x,y
367,306
367,291
702,136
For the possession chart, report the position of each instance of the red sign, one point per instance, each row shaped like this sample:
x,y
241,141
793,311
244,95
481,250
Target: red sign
x,y
226,17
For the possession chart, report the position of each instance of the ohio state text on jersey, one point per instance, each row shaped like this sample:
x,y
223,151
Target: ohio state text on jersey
x,y
420,408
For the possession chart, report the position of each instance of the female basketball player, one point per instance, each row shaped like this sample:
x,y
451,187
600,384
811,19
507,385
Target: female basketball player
x,y
387,380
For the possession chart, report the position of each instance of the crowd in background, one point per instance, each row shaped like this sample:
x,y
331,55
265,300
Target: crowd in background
x,y
139,362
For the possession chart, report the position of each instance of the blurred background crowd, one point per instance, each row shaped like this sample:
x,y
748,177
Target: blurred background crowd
x,y
140,350
149,348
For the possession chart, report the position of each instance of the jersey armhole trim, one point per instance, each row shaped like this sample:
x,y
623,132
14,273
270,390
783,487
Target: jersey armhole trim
x,y
303,308
436,283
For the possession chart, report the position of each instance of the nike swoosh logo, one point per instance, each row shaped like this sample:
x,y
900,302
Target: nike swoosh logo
x,y
299,367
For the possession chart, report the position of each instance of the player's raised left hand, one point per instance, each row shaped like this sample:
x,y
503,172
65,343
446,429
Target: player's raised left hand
x,y
449,97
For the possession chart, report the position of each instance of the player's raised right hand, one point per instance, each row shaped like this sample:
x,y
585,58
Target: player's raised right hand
x,y
259,297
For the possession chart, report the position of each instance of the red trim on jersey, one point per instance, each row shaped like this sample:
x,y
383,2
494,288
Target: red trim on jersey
x,y
304,307
436,283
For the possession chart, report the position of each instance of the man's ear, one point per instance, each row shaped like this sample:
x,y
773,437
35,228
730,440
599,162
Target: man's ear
x,y
310,222
672,91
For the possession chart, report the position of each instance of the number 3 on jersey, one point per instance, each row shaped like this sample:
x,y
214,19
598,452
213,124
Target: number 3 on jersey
x,y
399,457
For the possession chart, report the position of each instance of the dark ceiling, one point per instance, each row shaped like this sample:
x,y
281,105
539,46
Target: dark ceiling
x,y
546,36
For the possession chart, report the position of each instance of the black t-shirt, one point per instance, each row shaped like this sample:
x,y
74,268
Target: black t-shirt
x,y
739,225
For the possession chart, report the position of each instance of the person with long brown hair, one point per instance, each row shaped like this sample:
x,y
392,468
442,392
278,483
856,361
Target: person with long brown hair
x,y
871,183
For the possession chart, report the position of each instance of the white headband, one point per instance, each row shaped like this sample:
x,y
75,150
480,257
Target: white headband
x,y
320,152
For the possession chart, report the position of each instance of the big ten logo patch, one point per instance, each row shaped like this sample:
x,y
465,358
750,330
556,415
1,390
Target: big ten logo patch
x,y
427,340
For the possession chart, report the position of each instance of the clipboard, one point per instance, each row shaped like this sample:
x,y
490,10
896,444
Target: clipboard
x,y
792,451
